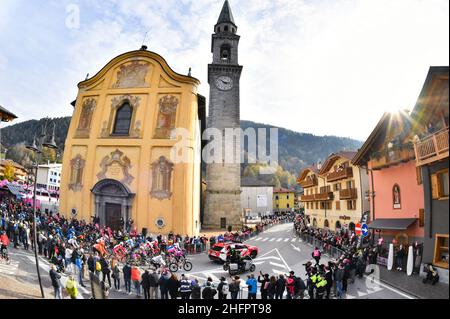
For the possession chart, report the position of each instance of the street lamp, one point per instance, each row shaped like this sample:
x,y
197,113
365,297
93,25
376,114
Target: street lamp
x,y
37,150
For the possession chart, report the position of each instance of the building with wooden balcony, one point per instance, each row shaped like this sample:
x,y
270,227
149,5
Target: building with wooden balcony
x,y
337,200
431,122
349,193
395,190
344,173
348,184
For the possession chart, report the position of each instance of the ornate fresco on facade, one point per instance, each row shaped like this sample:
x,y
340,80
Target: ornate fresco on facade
x,y
76,173
87,111
166,117
132,75
161,179
113,162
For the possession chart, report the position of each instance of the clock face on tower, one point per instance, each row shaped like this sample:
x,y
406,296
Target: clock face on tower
x,y
224,83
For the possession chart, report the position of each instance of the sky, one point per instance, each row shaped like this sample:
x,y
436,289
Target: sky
x,y
326,67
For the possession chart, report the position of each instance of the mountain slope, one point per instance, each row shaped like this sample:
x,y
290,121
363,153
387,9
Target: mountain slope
x,y
295,150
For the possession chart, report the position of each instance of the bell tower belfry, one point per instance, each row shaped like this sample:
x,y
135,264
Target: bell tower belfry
x,y
223,179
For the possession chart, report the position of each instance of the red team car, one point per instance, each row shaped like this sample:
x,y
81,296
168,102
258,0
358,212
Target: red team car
x,y
220,251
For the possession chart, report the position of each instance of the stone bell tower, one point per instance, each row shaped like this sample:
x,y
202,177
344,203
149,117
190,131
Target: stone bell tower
x,y
223,178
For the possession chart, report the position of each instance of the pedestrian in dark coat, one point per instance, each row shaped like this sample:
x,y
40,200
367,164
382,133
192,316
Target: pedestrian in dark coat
x,y
329,279
163,286
106,271
172,285
145,283
264,285
196,290
127,278
56,283
280,287
209,292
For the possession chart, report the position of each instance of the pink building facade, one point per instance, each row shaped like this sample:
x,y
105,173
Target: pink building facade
x,y
395,183
398,195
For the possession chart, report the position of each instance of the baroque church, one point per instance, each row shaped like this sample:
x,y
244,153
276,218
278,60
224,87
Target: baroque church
x,y
118,153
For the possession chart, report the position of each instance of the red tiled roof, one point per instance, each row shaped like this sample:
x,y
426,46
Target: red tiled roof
x,y
283,190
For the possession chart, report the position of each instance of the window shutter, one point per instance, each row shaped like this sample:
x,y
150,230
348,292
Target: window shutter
x,y
419,175
435,186
421,217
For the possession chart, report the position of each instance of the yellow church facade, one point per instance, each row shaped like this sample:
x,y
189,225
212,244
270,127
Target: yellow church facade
x,y
118,161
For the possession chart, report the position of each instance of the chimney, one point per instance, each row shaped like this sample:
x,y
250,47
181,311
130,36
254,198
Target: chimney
x,y
319,165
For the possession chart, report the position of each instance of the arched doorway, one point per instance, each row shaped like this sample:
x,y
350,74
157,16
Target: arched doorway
x,y
112,202
351,226
326,224
338,225
314,223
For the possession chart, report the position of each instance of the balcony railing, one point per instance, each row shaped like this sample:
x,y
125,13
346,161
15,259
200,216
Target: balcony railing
x,y
345,173
309,182
393,157
350,193
324,196
432,148
307,198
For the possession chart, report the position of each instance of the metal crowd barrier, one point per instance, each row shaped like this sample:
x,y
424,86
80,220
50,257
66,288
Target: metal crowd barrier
x,y
328,249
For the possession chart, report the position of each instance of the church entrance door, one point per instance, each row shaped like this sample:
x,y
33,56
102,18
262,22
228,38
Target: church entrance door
x,y
113,212
113,201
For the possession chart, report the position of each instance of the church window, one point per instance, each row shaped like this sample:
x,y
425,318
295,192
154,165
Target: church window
x,y
161,178
123,120
226,28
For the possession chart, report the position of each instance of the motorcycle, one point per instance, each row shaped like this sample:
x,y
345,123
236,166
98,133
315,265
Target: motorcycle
x,y
237,268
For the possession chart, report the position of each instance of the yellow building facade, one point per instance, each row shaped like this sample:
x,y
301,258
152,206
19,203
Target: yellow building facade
x,y
283,200
119,161
335,193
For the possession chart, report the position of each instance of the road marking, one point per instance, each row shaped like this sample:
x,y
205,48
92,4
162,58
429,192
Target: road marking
x,y
286,239
278,265
265,239
293,240
282,259
296,248
272,239
278,272
279,239
9,269
265,258
258,262
257,239
390,288
360,293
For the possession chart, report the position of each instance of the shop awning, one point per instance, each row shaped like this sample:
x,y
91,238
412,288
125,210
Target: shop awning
x,y
392,223
15,190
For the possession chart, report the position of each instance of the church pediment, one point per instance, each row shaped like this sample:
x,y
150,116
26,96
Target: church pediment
x,y
129,69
